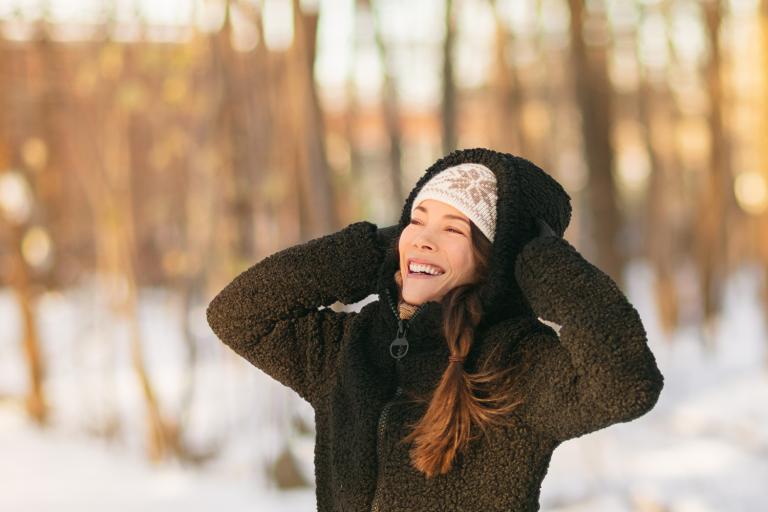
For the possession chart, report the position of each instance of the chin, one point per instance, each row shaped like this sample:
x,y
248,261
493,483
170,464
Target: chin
x,y
410,299
418,300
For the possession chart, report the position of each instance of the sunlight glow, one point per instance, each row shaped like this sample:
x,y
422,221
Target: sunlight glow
x,y
687,32
751,192
652,42
36,247
170,12
15,196
335,33
634,168
278,24
475,27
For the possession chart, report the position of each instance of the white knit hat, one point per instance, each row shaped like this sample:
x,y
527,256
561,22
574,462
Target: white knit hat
x,y
468,187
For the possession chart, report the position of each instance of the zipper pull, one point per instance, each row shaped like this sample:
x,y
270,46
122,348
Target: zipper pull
x,y
399,346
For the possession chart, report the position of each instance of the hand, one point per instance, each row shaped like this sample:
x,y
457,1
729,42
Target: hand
x,y
386,235
544,228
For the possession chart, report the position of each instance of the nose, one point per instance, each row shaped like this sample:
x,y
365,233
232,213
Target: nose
x,y
423,242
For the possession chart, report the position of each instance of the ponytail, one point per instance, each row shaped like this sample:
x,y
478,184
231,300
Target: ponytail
x,y
461,400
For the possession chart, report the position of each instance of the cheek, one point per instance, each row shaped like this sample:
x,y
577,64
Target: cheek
x,y
403,242
405,234
461,258
406,239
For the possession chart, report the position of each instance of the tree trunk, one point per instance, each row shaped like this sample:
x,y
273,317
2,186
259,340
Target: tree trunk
x,y
508,134
594,92
714,200
761,233
660,218
352,118
21,278
235,140
449,86
318,212
391,112
109,190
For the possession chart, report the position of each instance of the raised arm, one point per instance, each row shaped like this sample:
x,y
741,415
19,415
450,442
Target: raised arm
x,y
600,371
269,313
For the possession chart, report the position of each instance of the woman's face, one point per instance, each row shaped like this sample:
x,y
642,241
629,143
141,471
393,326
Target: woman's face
x,y
438,235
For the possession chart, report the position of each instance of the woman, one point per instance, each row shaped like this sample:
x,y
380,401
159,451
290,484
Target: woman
x,y
448,393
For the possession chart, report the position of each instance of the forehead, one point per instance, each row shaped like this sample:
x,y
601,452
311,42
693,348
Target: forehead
x,y
433,207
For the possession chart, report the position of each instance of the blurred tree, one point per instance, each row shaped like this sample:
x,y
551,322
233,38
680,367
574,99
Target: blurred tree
x,y
234,139
589,54
508,133
390,105
449,100
319,215
109,179
762,222
352,110
23,279
715,204
656,113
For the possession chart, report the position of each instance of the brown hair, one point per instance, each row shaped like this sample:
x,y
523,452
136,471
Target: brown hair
x,y
461,399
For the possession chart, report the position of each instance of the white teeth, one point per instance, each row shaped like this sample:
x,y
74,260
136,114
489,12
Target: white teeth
x,y
418,267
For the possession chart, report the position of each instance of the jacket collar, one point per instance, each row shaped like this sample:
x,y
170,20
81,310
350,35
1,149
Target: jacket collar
x,y
424,328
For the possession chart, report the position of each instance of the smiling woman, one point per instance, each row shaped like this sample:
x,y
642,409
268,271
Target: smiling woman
x,y
457,400
443,253
435,252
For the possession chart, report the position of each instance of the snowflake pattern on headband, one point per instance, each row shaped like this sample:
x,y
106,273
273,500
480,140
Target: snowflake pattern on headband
x,y
468,187
470,180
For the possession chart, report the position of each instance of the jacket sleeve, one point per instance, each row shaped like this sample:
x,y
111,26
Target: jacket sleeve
x,y
600,370
269,313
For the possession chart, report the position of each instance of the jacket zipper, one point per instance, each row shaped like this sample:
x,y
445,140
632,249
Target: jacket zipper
x,y
402,328
394,309
379,447
401,340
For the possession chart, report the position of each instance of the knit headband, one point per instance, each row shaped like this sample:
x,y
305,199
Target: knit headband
x,y
468,187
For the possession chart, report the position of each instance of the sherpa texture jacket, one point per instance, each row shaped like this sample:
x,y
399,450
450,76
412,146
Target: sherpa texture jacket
x,y
596,372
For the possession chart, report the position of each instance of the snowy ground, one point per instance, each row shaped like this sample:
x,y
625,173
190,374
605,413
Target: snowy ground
x,y
703,448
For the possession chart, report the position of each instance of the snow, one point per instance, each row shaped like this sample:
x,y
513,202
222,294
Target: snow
x,y
703,448
44,471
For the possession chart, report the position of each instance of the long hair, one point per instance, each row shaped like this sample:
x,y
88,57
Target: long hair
x,y
462,399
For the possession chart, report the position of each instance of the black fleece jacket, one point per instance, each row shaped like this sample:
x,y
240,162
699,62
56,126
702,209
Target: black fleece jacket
x,y
598,371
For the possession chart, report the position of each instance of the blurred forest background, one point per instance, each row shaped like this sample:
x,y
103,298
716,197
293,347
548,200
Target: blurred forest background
x,y
150,151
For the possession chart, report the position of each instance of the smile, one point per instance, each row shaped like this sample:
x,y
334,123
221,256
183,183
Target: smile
x,y
421,270
417,275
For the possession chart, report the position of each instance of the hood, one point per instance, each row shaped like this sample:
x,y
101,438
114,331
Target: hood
x,y
524,192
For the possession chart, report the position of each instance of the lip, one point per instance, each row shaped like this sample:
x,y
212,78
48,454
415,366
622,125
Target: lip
x,y
424,262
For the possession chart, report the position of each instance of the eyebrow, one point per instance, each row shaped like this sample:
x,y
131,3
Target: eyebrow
x,y
447,215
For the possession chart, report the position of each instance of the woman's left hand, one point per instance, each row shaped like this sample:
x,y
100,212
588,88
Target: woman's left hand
x,y
545,230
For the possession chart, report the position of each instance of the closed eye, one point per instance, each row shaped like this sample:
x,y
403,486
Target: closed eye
x,y
414,221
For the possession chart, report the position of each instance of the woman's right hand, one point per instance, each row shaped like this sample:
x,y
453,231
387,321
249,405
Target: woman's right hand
x,y
544,228
385,236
